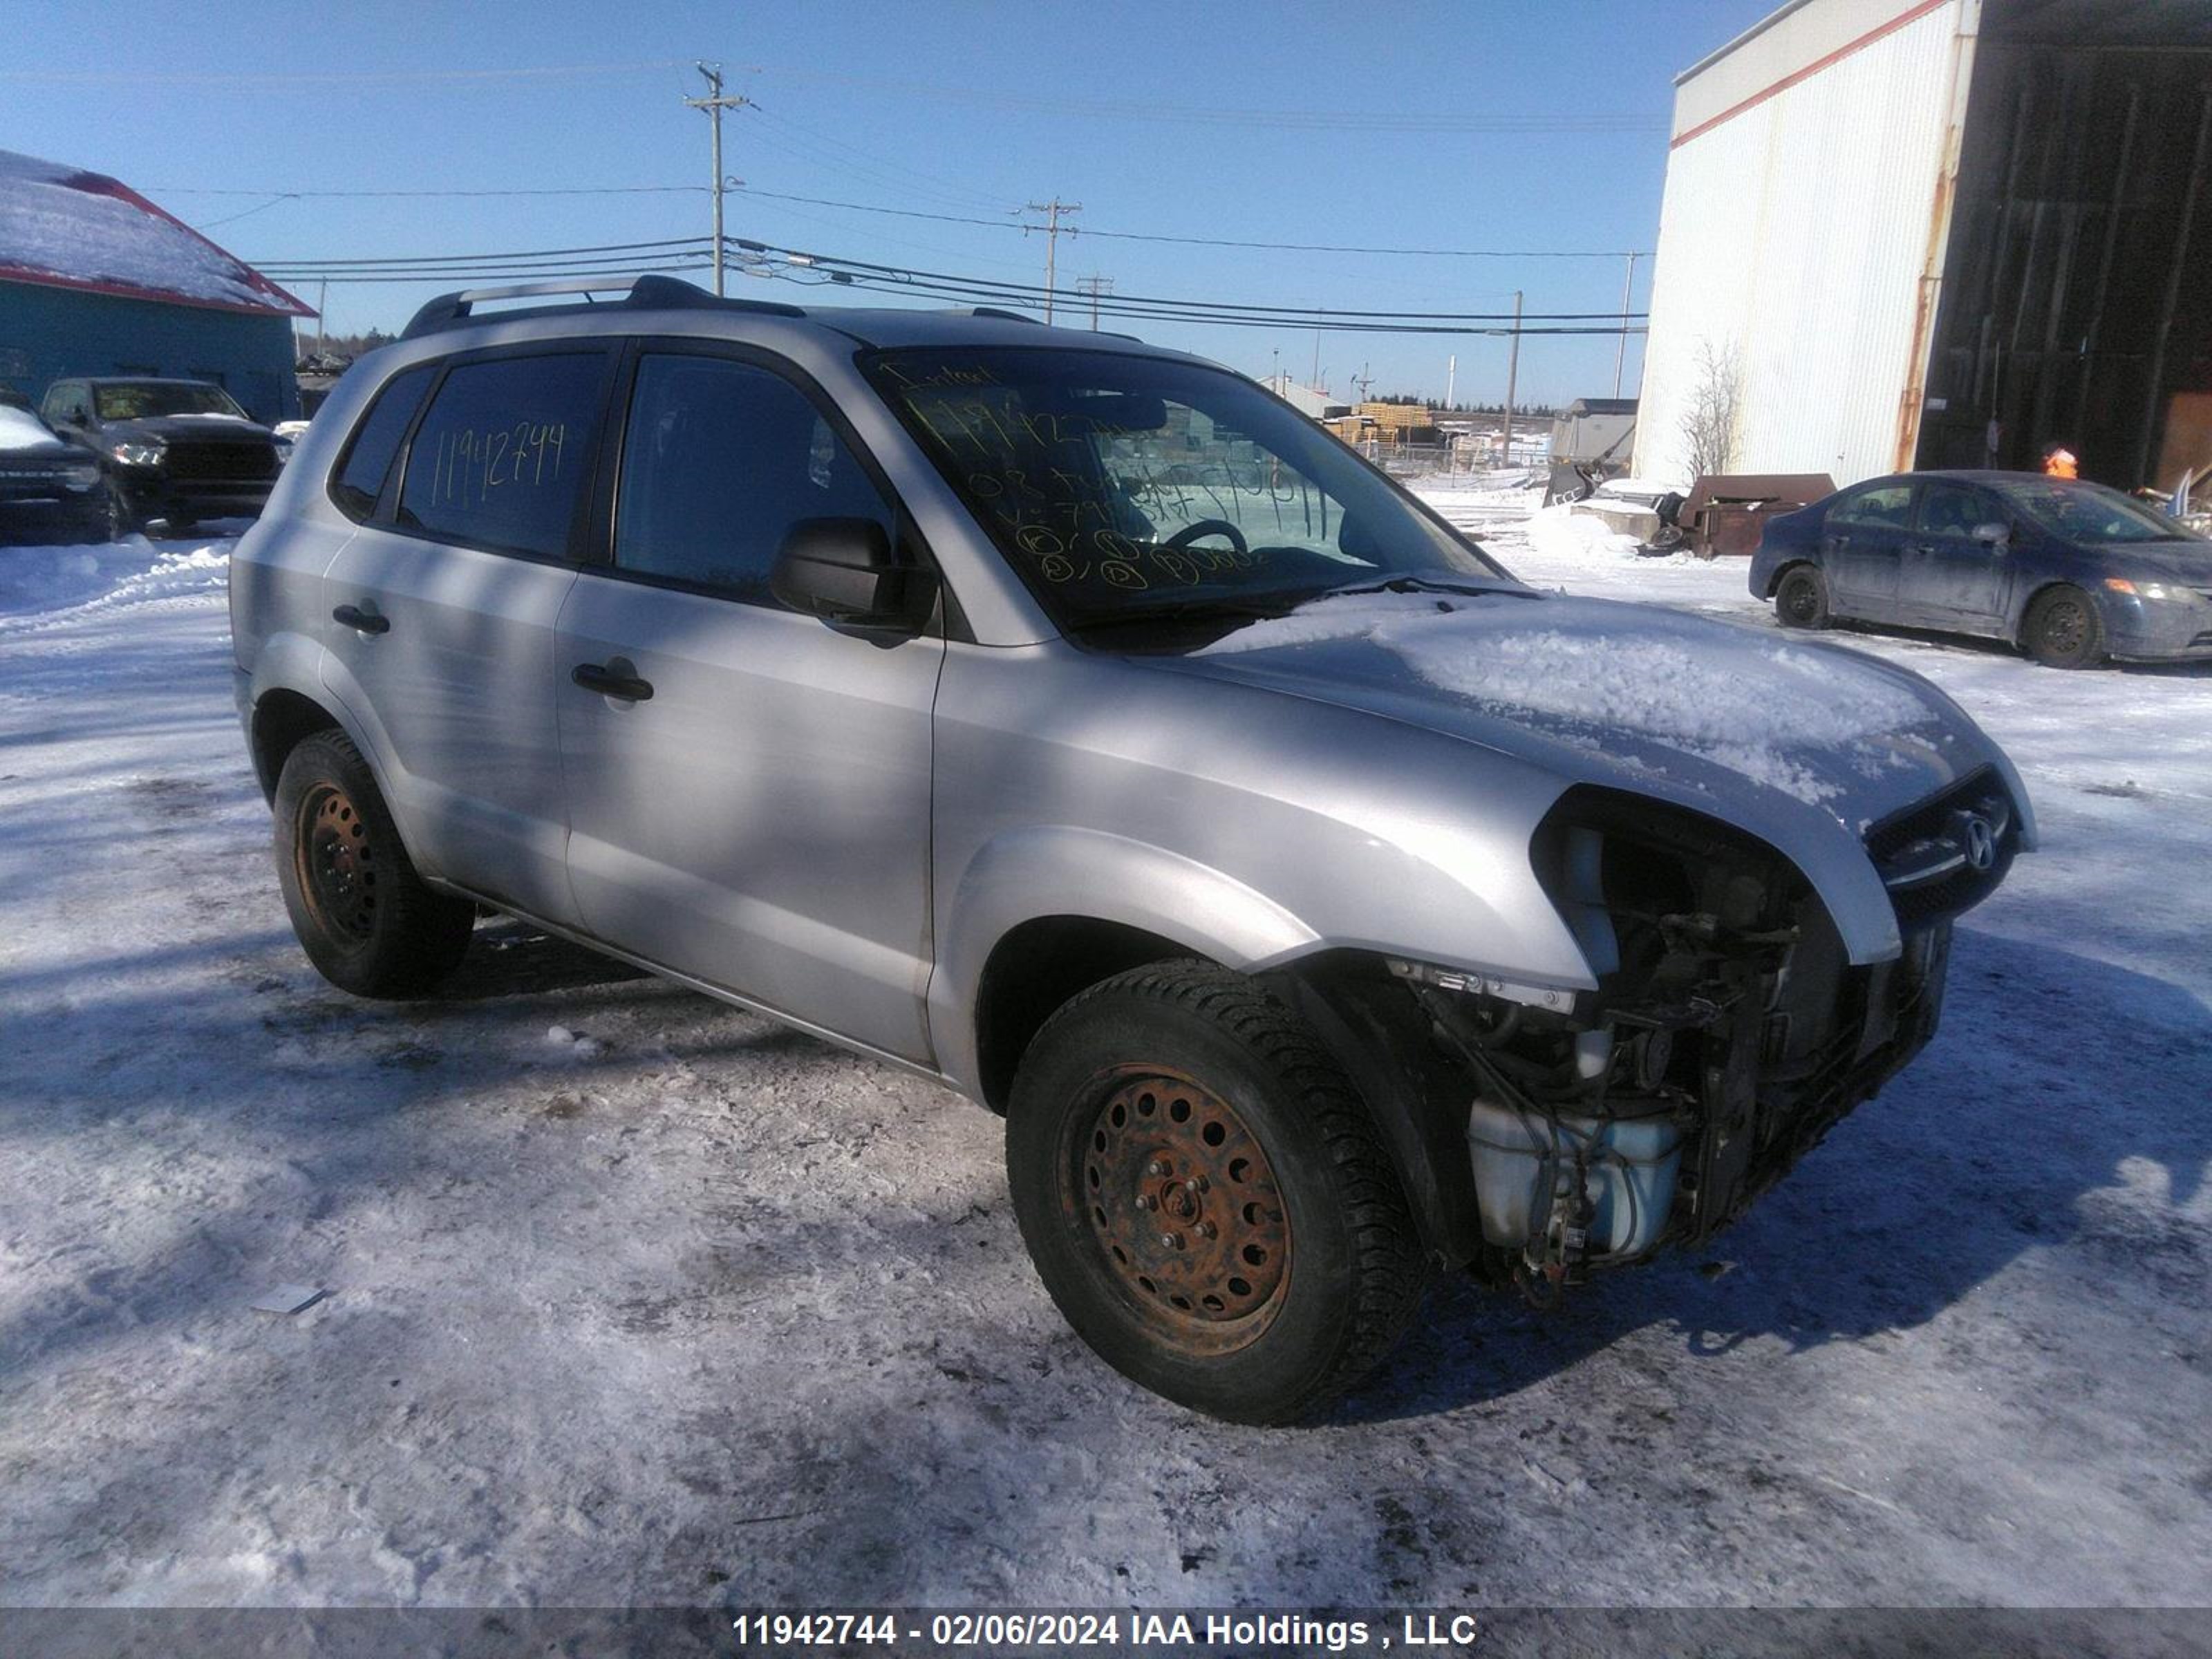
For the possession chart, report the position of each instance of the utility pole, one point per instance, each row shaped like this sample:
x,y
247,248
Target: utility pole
x,y
714,103
322,314
1451,378
1512,377
1094,286
1627,299
1051,210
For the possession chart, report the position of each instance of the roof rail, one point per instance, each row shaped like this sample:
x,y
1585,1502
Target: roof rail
x,y
995,311
652,292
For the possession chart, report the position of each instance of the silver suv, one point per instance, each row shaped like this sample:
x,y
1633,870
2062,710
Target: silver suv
x,y
1074,722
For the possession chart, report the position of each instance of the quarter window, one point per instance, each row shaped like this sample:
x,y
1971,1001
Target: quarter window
x,y
376,443
501,456
720,460
1883,506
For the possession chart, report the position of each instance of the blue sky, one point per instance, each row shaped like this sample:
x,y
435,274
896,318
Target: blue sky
x,y
967,109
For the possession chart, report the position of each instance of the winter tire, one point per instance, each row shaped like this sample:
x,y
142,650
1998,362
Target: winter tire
x,y
1801,600
1206,1197
2063,630
365,919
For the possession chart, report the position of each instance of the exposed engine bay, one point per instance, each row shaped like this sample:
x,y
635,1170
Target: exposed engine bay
x,y
1727,1034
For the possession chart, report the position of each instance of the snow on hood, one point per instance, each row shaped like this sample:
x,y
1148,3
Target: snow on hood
x,y
1635,683
19,429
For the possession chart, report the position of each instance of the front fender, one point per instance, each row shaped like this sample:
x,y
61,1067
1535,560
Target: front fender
x,y
1025,874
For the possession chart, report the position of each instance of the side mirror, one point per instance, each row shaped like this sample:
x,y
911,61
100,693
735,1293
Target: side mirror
x,y
1993,535
842,570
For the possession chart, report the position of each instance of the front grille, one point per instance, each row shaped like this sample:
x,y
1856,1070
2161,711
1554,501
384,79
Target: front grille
x,y
201,459
1947,854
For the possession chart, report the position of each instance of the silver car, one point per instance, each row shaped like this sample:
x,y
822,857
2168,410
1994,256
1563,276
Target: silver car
x,y
1074,722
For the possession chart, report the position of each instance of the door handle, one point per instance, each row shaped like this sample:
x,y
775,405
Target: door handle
x,y
361,620
609,683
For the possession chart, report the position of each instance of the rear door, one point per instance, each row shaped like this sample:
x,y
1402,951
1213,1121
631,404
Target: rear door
x,y
758,816
1861,548
1951,579
440,613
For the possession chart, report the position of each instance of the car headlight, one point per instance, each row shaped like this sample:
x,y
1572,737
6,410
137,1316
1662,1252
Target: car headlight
x,y
139,455
2145,590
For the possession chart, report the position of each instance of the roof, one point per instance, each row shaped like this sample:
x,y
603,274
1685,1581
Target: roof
x,y
1600,406
61,227
869,325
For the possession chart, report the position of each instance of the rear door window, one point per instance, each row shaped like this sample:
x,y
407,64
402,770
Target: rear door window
x,y
359,481
501,457
720,459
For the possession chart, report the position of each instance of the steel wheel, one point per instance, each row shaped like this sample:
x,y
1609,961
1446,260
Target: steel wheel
x,y
338,862
1801,601
2063,630
1182,1206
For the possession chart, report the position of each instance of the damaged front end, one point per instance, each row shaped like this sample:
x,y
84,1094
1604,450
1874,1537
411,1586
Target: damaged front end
x,y
1729,1030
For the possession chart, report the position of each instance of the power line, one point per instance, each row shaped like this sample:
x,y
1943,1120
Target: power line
x,y
458,259
1212,241
1221,115
355,195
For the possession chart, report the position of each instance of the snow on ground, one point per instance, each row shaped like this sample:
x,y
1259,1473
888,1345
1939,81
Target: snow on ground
x,y
634,1298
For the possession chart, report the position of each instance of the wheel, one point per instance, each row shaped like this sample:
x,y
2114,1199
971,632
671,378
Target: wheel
x,y
1206,1197
1801,600
2063,630
364,917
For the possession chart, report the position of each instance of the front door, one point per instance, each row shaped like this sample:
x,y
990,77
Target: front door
x,y
1951,579
1861,548
755,813
439,620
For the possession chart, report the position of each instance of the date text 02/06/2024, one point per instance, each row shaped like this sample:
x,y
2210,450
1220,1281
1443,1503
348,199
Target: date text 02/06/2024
x,y
1101,1632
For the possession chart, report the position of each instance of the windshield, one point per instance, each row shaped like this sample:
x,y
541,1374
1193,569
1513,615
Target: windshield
x,y
1126,490
2089,514
132,400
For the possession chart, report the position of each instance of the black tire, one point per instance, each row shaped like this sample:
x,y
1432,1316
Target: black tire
x,y
364,917
1800,599
2062,629
1233,1116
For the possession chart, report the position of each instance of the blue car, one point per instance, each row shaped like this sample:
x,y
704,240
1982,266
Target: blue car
x,y
2073,573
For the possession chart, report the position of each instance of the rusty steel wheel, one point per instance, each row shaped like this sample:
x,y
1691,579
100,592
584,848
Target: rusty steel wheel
x,y
339,861
1207,1197
1183,1205
367,920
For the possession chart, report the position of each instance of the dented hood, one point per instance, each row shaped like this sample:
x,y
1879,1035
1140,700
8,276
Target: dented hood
x,y
1789,740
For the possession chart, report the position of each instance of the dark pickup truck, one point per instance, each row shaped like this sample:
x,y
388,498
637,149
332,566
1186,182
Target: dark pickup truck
x,y
179,451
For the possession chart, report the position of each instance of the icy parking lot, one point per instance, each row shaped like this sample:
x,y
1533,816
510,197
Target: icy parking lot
x,y
631,1298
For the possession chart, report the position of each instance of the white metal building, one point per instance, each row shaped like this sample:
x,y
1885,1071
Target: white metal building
x,y
1940,233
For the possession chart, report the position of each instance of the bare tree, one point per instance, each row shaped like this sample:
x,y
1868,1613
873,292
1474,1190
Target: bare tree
x,y
1709,423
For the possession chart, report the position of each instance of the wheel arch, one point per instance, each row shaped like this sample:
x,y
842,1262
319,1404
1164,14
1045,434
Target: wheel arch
x,y
1796,559
2042,585
282,718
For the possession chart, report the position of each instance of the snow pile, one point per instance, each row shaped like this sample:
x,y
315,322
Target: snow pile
x,y
33,580
1561,533
83,227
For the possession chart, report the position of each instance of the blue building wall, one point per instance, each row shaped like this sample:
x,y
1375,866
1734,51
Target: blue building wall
x,y
49,333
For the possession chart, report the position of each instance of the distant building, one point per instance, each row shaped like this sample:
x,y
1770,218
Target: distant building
x,y
95,279
1940,233
1314,405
